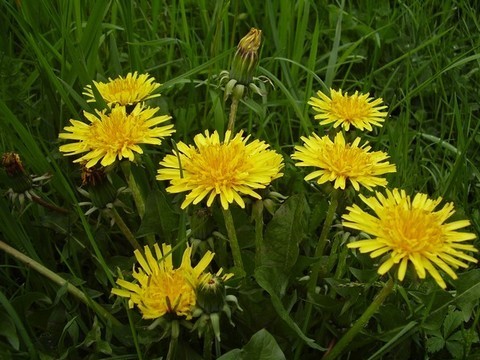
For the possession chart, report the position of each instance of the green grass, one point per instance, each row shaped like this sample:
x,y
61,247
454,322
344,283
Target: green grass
x,y
421,57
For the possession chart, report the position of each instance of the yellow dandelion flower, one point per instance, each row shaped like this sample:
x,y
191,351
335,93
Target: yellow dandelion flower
x,y
159,288
339,162
226,169
412,231
358,110
129,90
113,135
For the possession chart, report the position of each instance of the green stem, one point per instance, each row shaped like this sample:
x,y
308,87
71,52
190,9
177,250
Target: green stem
x,y
232,236
172,347
47,205
258,216
233,113
60,281
207,344
132,184
137,196
322,241
360,323
125,230
312,283
221,249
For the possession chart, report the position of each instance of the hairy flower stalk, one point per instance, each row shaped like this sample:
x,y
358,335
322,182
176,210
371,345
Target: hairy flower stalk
x,y
410,230
357,110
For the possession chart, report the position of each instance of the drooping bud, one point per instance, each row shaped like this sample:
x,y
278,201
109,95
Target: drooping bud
x,y
12,163
245,60
99,188
17,179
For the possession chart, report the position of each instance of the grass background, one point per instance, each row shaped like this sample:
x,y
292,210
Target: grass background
x,y
421,57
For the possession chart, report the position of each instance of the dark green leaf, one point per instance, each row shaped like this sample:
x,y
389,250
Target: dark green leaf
x,y
452,321
159,217
235,354
468,292
262,346
7,329
435,344
270,280
456,348
284,232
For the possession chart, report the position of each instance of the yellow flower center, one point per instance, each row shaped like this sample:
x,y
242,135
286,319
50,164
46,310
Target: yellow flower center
x,y
344,160
168,292
116,131
412,230
220,165
350,108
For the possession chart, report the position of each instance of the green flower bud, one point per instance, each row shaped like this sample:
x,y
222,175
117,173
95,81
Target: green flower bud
x,y
211,294
245,60
101,191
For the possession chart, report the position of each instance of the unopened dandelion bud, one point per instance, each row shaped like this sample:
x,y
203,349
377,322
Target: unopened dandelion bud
x,y
211,295
246,58
101,191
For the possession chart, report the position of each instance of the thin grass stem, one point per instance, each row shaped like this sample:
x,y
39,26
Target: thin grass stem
x,y
60,281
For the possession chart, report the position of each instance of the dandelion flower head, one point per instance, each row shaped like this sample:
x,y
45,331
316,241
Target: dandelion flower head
x,y
228,169
412,231
116,134
338,162
159,287
358,110
127,90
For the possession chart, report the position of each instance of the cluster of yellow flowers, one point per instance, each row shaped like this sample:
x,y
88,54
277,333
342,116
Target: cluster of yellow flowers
x,y
408,230
116,132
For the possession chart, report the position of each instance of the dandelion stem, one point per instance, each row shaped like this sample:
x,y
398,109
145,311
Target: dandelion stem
x,y
322,241
132,184
232,236
207,344
347,338
137,195
258,216
233,113
125,230
60,281
312,283
172,347
47,205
